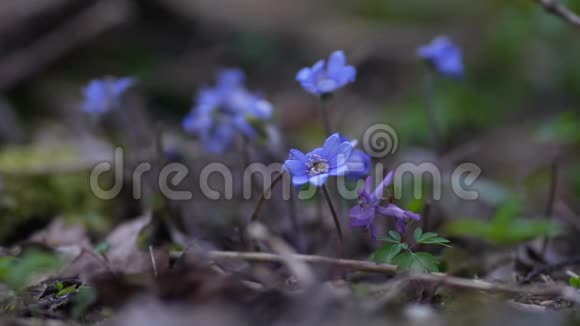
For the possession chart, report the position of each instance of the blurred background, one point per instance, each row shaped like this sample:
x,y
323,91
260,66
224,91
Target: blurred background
x,y
514,114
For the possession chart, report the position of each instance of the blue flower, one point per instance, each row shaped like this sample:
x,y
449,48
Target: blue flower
x,y
359,163
444,56
103,95
226,110
323,79
316,166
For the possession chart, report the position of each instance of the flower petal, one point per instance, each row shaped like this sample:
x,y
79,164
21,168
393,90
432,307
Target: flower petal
x,y
336,62
413,216
378,193
331,145
327,85
299,180
361,216
347,75
297,155
391,210
319,180
304,74
295,167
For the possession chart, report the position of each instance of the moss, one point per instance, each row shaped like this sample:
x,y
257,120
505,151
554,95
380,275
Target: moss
x,y
35,190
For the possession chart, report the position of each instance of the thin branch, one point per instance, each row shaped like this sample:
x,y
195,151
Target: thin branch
x,y
334,218
555,8
435,278
299,268
432,114
550,269
260,201
153,261
550,201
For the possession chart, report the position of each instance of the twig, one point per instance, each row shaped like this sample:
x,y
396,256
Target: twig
x,y
555,8
433,125
299,268
260,201
294,220
550,202
335,218
436,278
153,262
550,268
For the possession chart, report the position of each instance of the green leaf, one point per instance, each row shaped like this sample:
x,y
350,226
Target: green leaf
x,y
506,213
65,291
386,254
102,247
395,235
420,262
418,233
504,233
392,237
16,272
437,241
426,236
574,282
85,298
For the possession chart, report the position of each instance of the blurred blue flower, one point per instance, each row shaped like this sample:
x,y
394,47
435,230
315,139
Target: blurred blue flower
x,y
316,166
443,55
359,163
323,79
103,95
226,110
369,205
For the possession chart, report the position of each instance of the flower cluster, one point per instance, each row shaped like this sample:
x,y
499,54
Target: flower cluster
x,y
226,110
363,215
103,95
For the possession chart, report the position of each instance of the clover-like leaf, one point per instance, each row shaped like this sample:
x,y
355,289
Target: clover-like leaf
x,y
418,262
386,253
392,237
418,233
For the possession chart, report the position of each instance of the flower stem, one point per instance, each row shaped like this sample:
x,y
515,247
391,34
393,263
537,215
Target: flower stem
x,y
550,202
432,114
325,114
246,161
260,201
294,219
335,218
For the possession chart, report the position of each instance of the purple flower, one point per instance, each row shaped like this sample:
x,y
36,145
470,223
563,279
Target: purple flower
x,y
322,79
226,110
443,55
316,166
363,215
103,95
